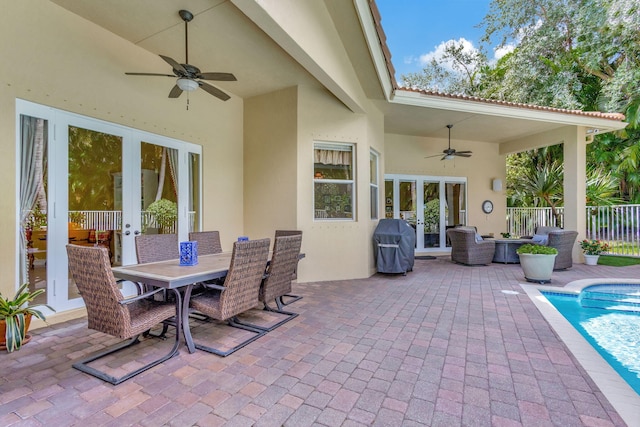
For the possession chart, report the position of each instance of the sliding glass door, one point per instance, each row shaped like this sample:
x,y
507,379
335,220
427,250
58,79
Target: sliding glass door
x,y
430,204
94,186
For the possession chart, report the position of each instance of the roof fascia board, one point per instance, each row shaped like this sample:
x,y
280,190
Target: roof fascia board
x,y
363,9
254,11
484,108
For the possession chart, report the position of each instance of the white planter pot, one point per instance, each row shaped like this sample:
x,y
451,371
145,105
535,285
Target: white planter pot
x,y
591,259
537,268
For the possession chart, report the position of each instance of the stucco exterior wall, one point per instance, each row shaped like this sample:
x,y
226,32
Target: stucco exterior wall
x,y
66,62
280,130
406,155
270,156
339,249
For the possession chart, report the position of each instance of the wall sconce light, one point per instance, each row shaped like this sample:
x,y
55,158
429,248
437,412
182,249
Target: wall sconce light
x,y
496,184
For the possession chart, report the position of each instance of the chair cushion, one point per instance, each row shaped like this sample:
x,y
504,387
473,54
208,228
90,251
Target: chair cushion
x,y
542,239
478,237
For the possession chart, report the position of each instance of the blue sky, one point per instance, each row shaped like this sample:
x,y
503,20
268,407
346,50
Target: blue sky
x,y
415,28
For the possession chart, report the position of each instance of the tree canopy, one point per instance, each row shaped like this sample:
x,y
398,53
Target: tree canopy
x,y
573,54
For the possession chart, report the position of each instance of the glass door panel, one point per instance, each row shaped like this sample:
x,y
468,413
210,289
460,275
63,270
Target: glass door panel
x,y
194,192
408,207
94,193
388,199
159,183
33,204
431,211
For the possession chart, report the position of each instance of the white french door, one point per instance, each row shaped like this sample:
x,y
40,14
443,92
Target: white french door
x,y
430,204
100,178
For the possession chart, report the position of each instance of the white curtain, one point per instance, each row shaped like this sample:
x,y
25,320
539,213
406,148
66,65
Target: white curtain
x,y
332,157
31,178
173,167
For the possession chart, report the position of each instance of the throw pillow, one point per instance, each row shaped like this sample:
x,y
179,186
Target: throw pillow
x,y
540,238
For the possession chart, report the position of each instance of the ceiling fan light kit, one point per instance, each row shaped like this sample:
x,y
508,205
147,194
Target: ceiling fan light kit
x,y
187,85
189,76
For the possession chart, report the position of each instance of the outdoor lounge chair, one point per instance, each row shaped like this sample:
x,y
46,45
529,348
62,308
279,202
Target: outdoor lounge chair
x,y
465,249
563,241
239,292
208,242
277,282
110,313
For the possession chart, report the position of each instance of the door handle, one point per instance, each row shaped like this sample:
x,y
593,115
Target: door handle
x,y
126,233
136,232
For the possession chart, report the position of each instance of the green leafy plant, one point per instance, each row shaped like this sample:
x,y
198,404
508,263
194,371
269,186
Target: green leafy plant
x,y
15,312
506,235
165,213
77,217
536,250
432,216
593,247
36,219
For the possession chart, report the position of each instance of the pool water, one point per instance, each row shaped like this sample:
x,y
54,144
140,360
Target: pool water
x,y
608,317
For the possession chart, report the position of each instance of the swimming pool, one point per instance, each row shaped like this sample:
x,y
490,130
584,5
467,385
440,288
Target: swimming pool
x,y
608,317
619,392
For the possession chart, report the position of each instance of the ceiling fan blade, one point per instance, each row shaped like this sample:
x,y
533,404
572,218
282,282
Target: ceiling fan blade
x,y
464,152
174,64
175,92
221,77
214,91
435,155
151,74
460,154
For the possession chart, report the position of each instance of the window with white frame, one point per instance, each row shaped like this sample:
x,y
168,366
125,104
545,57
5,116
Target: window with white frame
x,y
373,183
333,176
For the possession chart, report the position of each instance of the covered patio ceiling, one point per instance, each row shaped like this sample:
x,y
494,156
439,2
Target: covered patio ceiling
x,y
222,38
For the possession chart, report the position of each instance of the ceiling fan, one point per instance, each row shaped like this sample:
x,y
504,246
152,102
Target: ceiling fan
x,y
189,76
450,153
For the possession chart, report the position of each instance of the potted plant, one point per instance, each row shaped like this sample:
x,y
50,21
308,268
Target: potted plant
x,y
592,250
15,317
165,213
537,262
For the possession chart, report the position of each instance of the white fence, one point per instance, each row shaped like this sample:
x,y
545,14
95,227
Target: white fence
x,y
112,220
618,225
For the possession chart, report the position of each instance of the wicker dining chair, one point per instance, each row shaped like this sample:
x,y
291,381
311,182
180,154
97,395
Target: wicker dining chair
x,y
208,242
291,298
277,282
110,313
239,293
157,247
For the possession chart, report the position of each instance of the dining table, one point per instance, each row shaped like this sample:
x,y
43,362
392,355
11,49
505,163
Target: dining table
x,y
171,275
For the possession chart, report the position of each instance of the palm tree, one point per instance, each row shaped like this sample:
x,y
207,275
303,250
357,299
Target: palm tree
x,y
544,184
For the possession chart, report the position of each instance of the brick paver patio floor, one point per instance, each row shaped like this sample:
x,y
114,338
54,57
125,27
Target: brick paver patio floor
x,y
442,346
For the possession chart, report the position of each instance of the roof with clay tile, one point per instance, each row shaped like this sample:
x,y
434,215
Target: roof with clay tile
x,y
391,70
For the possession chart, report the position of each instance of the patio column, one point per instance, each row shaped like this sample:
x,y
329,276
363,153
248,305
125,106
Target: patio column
x,y
575,184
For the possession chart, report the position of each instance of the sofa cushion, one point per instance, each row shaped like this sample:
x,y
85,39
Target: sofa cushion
x,y
542,239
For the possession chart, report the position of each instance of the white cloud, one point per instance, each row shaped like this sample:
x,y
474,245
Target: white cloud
x,y
499,52
438,53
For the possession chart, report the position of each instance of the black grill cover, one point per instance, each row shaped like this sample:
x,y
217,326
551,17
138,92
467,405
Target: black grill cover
x,y
394,242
